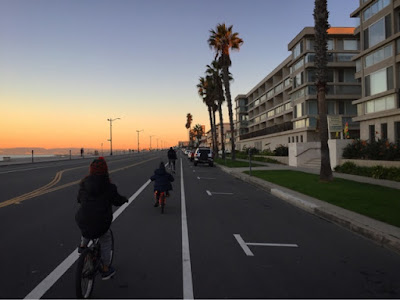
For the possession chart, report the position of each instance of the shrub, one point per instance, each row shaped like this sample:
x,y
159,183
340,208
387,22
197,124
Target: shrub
x,y
281,151
377,172
267,152
375,150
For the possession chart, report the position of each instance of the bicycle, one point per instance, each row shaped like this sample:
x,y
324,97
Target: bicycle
x,y
161,199
89,265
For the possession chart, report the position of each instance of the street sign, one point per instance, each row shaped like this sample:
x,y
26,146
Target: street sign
x,y
335,124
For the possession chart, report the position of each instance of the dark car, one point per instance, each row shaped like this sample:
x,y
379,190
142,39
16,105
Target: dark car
x,y
203,155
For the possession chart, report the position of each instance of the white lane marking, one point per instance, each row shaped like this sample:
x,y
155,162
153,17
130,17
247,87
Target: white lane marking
x,y
272,245
247,250
186,264
204,177
208,192
243,245
218,193
59,271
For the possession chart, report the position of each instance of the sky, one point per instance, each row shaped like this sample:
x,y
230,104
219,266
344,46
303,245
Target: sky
x,y
66,66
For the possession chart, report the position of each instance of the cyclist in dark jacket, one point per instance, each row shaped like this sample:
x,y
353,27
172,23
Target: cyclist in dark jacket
x,y
96,196
162,181
172,158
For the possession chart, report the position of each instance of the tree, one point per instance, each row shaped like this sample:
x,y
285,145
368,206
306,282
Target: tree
x,y
321,35
222,40
198,133
203,90
214,73
189,119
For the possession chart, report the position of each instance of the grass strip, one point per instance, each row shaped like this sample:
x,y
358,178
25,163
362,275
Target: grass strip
x,y
377,202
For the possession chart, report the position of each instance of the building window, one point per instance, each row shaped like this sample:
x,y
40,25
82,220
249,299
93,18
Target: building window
x,y
312,107
378,56
380,104
289,139
298,80
301,138
397,133
292,139
384,135
375,8
330,105
330,44
371,133
297,50
377,32
297,139
379,81
346,75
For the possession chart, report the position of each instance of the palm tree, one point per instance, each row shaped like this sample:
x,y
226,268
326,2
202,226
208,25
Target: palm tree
x,y
202,88
321,35
198,132
222,40
189,119
214,73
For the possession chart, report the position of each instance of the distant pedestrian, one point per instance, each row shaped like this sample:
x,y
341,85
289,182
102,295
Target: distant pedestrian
x,y
171,159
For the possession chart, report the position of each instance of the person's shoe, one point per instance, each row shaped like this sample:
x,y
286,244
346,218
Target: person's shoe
x,y
81,249
107,275
156,204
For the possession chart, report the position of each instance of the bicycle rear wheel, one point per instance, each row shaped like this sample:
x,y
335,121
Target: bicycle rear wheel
x,y
85,274
162,200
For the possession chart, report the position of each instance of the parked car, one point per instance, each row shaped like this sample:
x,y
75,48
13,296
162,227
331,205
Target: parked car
x,y
203,155
190,154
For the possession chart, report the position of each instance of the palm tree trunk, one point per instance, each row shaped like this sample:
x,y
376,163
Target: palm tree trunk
x,y
221,122
326,170
229,100
215,135
212,127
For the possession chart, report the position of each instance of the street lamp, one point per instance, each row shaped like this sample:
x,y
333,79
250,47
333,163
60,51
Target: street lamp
x,y
111,120
157,144
150,141
138,139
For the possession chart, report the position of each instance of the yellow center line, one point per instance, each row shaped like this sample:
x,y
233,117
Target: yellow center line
x,y
48,188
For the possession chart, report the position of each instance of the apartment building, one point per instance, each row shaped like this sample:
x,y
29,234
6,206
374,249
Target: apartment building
x,y
283,109
377,67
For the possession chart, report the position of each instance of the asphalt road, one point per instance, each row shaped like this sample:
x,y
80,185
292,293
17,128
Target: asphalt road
x,y
242,242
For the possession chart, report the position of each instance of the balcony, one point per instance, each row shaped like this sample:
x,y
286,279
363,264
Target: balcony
x,y
269,130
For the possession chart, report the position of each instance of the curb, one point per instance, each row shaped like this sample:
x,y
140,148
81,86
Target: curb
x,y
327,211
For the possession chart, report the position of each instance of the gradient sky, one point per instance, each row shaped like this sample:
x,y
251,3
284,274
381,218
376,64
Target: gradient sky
x,y
67,66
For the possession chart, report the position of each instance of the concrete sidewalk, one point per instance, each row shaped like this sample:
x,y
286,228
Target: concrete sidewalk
x,y
384,234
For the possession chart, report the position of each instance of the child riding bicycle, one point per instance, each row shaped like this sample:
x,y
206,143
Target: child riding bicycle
x,y
162,182
96,196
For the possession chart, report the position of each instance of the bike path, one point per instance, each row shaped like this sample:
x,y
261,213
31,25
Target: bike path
x,y
326,257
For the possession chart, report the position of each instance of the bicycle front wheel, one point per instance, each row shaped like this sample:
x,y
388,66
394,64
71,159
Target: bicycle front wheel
x,y
112,247
85,274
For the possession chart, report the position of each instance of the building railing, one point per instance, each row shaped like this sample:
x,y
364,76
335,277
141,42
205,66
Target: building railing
x,y
269,130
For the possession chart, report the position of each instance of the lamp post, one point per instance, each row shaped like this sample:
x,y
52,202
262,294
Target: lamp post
x,y
111,120
157,144
138,139
150,141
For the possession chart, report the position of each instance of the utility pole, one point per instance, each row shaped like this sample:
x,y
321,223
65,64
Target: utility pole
x,y
138,131
110,140
150,141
